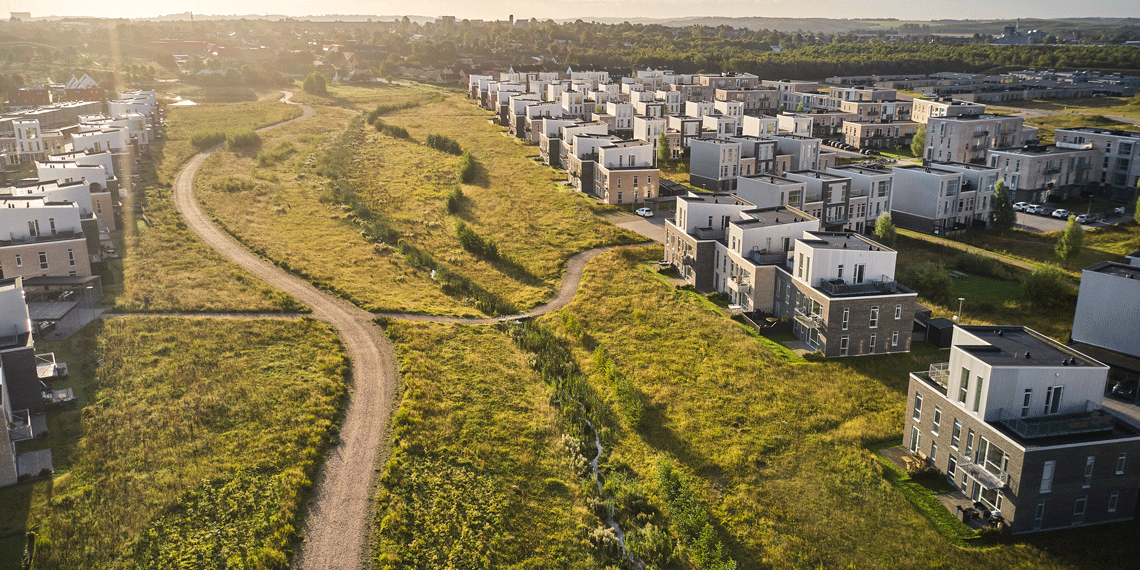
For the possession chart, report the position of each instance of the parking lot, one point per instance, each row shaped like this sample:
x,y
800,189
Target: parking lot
x,y
1041,224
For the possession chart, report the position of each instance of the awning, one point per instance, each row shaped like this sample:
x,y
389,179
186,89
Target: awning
x,y
50,310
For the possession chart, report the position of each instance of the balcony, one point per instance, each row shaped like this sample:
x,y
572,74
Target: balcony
x,y
764,257
41,238
981,134
1087,417
809,320
1052,170
841,288
940,374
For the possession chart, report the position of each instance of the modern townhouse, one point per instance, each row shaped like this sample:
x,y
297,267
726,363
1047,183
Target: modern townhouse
x,y
649,129
714,164
870,194
717,125
976,195
1100,328
1119,167
759,126
698,109
925,199
879,134
568,132
966,138
924,108
573,104
535,114
688,127
648,108
92,202
517,116
45,239
837,286
626,173
820,125
803,152
756,101
623,118
770,191
826,197
1034,173
757,155
672,100
1015,421
582,159
787,90
550,138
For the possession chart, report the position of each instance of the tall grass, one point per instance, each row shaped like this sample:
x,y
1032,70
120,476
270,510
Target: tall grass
x,y
198,446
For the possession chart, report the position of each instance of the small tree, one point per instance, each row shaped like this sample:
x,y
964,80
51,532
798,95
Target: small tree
x,y
918,143
663,156
885,230
1069,244
1002,215
315,84
1047,288
799,107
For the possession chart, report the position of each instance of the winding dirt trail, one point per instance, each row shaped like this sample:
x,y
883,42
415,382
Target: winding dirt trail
x,y
337,517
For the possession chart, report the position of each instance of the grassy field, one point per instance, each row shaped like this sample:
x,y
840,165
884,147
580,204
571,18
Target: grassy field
x,y
164,267
288,211
1047,124
481,475
777,451
197,445
1115,106
1108,243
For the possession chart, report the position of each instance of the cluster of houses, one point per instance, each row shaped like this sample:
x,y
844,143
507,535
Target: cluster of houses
x,y
1017,421
66,158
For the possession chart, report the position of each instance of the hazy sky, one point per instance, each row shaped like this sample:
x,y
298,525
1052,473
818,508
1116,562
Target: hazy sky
x,y
543,9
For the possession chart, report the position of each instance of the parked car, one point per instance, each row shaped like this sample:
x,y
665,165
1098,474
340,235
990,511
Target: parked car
x,y
1126,390
1061,213
1084,219
644,212
66,296
1034,209
1020,206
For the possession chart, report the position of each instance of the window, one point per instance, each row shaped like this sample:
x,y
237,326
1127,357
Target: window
x,y
19,260
937,420
871,344
1038,514
956,434
1089,471
969,441
915,436
33,227
964,385
860,268
898,312
1047,476
43,260
917,406
51,223
846,317
977,393
1120,459
933,450
874,317
1053,399
1025,402
1079,510
800,267
71,258
951,467
838,275
844,343
895,338
1113,498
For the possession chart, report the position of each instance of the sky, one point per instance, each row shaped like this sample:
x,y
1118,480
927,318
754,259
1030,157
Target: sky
x,y
544,9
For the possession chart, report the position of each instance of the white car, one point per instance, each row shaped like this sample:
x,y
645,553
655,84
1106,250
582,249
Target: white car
x,y
1034,209
644,212
1084,218
1059,213
1020,206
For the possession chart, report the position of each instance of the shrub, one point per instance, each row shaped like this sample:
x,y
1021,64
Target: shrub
x,y
477,244
443,143
203,140
315,83
279,152
454,200
931,280
231,185
719,298
467,168
978,264
1047,288
243,140
391,130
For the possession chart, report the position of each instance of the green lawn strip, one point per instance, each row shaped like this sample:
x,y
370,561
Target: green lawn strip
x,y
922,497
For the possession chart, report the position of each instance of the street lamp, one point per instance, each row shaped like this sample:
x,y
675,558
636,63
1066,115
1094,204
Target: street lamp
x,y
958,317
87,294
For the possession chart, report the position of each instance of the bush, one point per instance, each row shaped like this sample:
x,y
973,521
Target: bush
x,y
279,152
978,264
454,200
315,84
443,143
467,168
719,298
931,280
203,140
391,130
477,244
231,185
243,140
1047,288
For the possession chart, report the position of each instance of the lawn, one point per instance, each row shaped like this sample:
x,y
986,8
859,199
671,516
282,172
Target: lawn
x,y
1116,106
777,451
1047,124
197,444
482,474
164,266
295,211
1107,243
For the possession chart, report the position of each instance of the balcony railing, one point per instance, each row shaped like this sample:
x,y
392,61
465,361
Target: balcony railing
x,y
940,373
808,319
1087,417
838,287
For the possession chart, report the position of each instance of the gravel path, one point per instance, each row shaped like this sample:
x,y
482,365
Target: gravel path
x,y
337,517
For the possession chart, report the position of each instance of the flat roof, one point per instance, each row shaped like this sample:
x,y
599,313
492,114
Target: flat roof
x,y
965,166
926,169
817,174
1100,131
863,169
842,240
1040,150
1020,346
50,310
1117,269
772,216
771,178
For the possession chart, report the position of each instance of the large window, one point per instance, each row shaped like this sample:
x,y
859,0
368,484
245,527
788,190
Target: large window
x,y
1025,402
915,438
1089,461
898,312
1038,514
956,434
937,420
1120,460
1047,476
874,317
951,468
977,393
844,344
917,407
1113,498
969,442
1053,399
43,260
964,385
846,317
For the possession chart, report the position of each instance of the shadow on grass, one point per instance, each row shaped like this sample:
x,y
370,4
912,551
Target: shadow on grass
x,y
921,494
